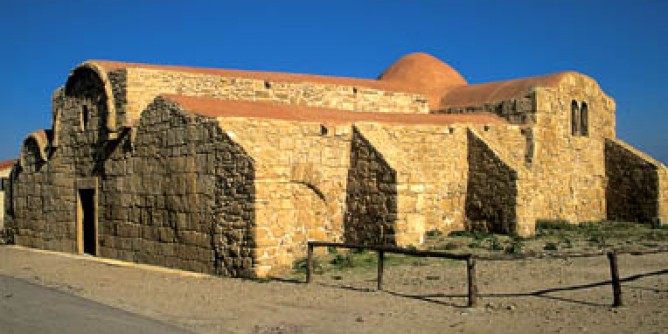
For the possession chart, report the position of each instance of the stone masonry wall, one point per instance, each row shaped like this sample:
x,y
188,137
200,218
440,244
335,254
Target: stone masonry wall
x,y
566,171
174,192
44,193
431,172
4,174
663,194
300,178
516,111
513,142
371,196
514,146
118,81
144,84
491,197
634,185
179,194
569,169
241,196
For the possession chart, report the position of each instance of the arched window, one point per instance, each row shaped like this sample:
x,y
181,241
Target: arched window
x,y
575,118
584,119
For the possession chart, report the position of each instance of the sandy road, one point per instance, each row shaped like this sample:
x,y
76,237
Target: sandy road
x,y
520,297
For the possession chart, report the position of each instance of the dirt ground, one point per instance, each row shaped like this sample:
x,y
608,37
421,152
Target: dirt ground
x,y
532,296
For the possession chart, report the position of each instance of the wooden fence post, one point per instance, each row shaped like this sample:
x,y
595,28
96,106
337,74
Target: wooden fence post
x,y
472,284
616,285
309,263
381,260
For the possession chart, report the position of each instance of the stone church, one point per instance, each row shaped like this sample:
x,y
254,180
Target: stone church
x,y
231,172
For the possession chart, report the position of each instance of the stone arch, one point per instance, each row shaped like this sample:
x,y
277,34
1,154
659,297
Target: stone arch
x,y
306,175
313,215
309,180
34,150
110,121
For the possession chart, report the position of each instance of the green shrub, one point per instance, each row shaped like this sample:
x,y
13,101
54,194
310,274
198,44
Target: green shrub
x,y
463,234
495,244
451,246
550,246
556,224
515,247
318,267
596,237
342,261
434,233
567,242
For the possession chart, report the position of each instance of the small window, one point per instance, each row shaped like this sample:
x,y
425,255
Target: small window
x,y
4,184
85,116
584,119
575,118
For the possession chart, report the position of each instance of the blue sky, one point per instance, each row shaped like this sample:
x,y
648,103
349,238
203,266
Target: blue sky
x,y
622,44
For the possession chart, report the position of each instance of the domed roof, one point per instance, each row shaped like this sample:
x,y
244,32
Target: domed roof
x,y
424,73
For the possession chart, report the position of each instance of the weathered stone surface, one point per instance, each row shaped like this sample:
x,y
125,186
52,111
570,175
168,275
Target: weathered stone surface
x,y
491,197
220,193
371,196
637,189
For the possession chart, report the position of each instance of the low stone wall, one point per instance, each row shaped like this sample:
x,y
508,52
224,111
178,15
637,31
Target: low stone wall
x,y
491,197
634,186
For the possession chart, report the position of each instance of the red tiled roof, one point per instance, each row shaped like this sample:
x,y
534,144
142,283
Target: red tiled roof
x,y
7,164
478,94
417,73
212,107
269,76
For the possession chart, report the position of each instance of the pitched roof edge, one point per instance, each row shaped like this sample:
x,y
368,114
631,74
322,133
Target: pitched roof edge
x,y
218,108
109,65
494,92
7,164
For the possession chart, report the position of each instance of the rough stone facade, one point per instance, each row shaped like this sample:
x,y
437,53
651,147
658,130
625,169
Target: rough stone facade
x,y
371,195
231,172
636,188
491,195
5,169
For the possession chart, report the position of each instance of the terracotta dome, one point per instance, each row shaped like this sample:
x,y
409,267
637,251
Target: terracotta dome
x,y
424,73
